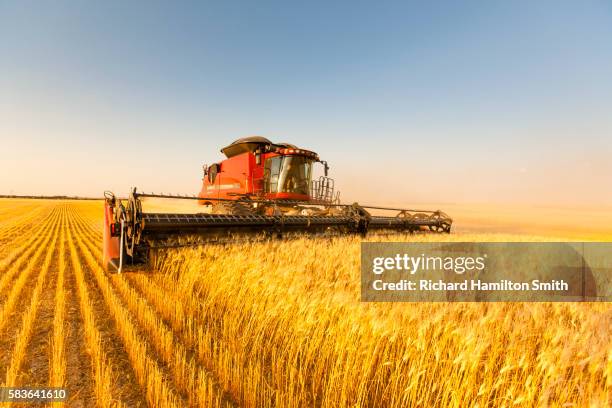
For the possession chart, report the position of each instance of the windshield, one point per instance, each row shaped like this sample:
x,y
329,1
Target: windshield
x,y
288,174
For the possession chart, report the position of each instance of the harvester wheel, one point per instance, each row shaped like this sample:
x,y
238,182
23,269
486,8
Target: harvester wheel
x,y
442,222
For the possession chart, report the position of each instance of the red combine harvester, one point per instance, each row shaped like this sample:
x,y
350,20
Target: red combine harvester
x,y
261,190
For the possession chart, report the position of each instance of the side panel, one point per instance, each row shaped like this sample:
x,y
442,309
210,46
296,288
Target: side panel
x,y
110,245
231,179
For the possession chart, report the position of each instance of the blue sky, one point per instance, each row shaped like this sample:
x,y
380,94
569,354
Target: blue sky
x,y
408,101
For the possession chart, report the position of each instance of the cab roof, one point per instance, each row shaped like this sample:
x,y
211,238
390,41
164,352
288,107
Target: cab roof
x,y
250,144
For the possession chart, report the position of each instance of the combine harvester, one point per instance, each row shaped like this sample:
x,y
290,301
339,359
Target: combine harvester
x,y
262,189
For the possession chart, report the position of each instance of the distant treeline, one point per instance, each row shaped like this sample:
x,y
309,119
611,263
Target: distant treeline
x,y
55,197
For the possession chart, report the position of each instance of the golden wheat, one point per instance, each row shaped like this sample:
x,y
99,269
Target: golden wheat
x,y
278,323
314,343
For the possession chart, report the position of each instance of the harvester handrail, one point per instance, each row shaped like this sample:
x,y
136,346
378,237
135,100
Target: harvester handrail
x,y
373,207
265,201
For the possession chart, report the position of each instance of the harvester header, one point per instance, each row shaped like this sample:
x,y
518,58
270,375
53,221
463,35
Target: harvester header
x,y
261,190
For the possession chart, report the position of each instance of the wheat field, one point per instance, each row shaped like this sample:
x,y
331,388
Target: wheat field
x,y
270,324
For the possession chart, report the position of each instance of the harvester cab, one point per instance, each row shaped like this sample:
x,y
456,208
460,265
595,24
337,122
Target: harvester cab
x,y
257,168
260,191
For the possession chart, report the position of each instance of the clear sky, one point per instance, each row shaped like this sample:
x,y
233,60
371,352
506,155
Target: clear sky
x,y
486,101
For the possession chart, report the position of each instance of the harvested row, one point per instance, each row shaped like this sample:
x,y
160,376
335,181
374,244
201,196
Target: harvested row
x,y
187,373
13,227
14,259
20,230
124,386
14,213
22,241
156,387
29,315
36,250
87,230
57,372
102,371
90,217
